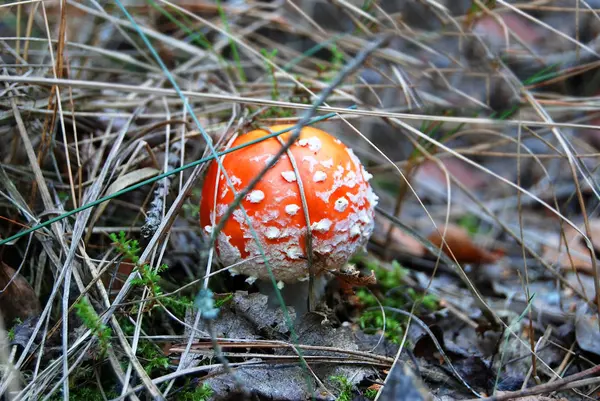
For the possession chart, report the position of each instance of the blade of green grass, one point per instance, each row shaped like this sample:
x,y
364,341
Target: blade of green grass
x,y
195,37
234,50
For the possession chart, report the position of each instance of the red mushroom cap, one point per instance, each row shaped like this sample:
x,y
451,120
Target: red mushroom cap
x,y
339,199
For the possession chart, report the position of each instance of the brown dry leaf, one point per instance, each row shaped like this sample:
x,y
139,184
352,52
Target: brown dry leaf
x,y
555,252
595,228
493,31
117,279
464,173
18,300
349,277
401,242
464,250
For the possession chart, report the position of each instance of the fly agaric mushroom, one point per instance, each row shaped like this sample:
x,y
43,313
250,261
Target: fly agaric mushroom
x,y
340,205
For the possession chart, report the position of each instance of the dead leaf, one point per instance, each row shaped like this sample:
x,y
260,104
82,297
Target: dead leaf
x,y
554,252
254,308
586,330
461,246
282,383
491,30
313,330
17,299
401,242
463,172
402,385
595,229
117,279
247,316
23,332
131,178
350,277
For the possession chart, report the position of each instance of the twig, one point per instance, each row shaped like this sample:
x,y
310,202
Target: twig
x,y
565,383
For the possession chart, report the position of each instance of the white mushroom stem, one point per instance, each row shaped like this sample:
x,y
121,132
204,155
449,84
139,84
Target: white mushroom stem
x,y
295,295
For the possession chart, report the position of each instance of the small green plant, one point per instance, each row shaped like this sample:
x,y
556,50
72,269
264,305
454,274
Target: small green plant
x,y
469,222
390,281
277,112
269,56
148,277
345,388
274,111
191,210
232,44
153,358
178,305
200,393
126,325
63,196
428,301
367,4
370,393
11,333
222,301
130,248
84,393
91,320
335,63
337,57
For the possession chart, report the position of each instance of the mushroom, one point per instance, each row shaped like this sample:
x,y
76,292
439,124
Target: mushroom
x,y
339,201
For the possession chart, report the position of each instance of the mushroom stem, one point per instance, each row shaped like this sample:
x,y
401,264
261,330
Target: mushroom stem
x,y
295,294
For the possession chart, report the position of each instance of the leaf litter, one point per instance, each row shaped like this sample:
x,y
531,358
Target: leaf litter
x,y
247,317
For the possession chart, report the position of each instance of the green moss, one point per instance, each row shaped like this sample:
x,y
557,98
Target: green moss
x,y
200,393
85,393
177,305
152,359
83,385
11,333
370,393
191,210
345,388
92,321
371,322
470,223
390,283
